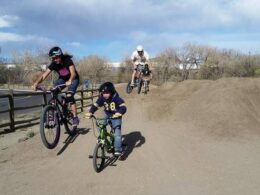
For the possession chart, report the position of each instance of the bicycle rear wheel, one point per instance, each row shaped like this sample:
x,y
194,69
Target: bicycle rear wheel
x,y
145,87
49,127
99,157
68,123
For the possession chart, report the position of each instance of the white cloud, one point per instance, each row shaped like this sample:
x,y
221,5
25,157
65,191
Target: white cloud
x,y
4,23
74,44
13,37
248,8
7,21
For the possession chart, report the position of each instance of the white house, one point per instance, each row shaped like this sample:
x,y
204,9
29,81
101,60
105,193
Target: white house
x,y
113,64
10,66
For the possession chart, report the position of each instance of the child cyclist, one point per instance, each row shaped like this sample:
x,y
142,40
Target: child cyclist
x,y
114,108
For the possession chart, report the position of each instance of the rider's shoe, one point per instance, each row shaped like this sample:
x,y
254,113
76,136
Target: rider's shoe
x,y
75,121
132,84
117,153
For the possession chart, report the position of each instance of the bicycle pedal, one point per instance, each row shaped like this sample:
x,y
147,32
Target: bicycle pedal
x,y
110,151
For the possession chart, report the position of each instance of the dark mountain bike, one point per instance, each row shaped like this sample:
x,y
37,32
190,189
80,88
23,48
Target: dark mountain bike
x,y
54,114
104,149
142,80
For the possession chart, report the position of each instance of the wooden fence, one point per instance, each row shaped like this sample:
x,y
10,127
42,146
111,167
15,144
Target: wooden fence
x,y
14,124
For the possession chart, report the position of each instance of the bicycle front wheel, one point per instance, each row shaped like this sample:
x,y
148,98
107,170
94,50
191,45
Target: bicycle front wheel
x,y
49,127
140,84
99,157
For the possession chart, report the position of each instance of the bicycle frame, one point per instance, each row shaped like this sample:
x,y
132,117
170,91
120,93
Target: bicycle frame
x,y
54,114
60,105
105,144
105,138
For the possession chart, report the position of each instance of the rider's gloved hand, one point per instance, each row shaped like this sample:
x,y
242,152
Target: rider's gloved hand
x,y
117,115
88,115
34,87
68,83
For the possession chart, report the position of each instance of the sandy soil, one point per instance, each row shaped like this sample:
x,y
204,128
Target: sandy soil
x,y
194,137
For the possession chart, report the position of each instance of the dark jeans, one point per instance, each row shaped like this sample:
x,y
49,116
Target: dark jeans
x,y
72,88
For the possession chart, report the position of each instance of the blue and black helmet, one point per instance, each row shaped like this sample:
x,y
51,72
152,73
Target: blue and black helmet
x,y
107,87
55,51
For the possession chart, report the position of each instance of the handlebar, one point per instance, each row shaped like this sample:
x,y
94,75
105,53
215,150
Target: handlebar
x,y
41,88
103,118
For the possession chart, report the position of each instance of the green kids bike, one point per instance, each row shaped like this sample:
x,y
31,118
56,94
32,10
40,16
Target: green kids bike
x,y
104,150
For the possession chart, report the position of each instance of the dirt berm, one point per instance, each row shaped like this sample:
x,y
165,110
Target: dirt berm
x,y
193,137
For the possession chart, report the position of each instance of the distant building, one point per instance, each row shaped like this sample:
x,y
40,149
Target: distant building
x,y
189,66
113,64
9,66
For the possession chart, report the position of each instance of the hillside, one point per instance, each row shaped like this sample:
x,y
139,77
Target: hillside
x,y
193,137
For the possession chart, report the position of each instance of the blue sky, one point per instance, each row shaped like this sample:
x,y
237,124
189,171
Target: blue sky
x,y
113,28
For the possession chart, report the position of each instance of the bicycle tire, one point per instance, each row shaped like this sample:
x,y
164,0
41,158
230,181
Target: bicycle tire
x,y
129,88
68,124
44,137
99,157
140,84
145,87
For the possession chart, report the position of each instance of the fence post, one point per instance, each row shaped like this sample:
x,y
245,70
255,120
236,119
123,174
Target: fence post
x,y
11,109
82,101
92,94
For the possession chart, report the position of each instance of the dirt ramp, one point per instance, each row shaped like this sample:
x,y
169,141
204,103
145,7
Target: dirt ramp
x,y
163,101
224,108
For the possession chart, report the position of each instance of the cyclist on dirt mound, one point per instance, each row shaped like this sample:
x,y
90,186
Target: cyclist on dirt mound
x,y
114,107
64,66
140,56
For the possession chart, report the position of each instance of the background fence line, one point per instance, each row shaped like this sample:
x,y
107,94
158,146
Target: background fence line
x,y
81,97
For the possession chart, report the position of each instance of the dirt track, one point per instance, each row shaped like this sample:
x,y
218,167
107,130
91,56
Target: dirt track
x,y
195,137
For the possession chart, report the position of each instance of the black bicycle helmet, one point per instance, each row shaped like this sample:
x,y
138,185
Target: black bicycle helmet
x,y
55,51
107,87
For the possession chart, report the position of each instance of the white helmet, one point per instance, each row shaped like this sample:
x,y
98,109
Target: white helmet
x,y
139,48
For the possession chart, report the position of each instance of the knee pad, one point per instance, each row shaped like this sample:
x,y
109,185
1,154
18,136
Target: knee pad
x,y
70,97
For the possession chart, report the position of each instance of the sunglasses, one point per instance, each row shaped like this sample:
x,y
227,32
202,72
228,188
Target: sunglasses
x,y
54,57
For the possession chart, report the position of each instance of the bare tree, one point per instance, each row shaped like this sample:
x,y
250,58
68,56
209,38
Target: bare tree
x,y
166,65
124,71
27,64
92,67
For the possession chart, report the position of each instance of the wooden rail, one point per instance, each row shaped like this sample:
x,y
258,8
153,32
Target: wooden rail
x,y
12,124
